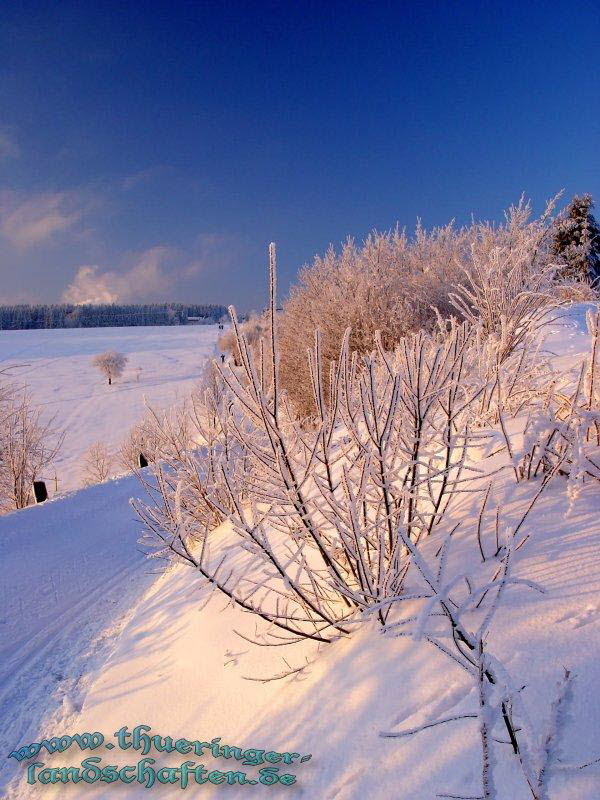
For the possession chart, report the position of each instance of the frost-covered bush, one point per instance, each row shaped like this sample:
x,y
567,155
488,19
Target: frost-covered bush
x,y
191,446
563,432
97,464
142,439
389,283
321,512
28,445
254,328
507,284
575,292
497,276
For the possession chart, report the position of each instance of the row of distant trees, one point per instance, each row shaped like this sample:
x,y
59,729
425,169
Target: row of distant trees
x,y
105,315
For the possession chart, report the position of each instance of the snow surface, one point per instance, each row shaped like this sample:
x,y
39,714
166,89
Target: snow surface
x,y
178,665
70,573
164,363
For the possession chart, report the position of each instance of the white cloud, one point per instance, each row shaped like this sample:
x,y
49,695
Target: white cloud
x,y
91,287
34,220
158,274
147,279
8,146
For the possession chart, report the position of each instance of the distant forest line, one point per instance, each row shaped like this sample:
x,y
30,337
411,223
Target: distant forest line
x,y
24,317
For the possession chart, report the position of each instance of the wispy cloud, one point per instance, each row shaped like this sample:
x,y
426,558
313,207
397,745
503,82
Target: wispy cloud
x,y
29,221
142,177
8,146
147,279
211,252
157,274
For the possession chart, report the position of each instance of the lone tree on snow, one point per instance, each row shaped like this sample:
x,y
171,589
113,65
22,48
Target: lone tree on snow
x,y
111,364
577,241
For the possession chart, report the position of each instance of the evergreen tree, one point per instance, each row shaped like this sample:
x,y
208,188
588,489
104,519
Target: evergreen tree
x,y
577,242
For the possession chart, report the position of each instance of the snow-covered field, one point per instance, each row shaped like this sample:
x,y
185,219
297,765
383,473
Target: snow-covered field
x,y
93,644
163,365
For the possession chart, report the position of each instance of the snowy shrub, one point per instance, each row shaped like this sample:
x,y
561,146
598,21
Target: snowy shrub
x,y
154,437
319,510
390,284
97,464
347,516
254,328
507,284
498,277
452,607
563,434
192,444
27,446
142,439
575,292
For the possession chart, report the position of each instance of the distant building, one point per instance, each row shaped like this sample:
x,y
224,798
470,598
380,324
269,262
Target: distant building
x,y
199,320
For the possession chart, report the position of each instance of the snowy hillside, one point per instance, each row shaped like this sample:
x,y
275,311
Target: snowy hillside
x,y
179,666
163,364
70,574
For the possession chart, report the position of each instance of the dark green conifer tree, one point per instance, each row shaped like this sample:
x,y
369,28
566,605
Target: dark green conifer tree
x,y
576,242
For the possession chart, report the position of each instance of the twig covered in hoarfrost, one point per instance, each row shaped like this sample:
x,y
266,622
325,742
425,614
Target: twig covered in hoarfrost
x,y
315,505
499,700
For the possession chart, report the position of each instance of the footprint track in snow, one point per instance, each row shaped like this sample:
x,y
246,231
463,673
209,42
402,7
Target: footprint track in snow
x,y
578,620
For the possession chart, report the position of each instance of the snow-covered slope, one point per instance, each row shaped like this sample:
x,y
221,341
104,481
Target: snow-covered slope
x,y
163,364
70,573
182,670
180,667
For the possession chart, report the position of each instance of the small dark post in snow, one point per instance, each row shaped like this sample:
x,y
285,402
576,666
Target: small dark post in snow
x,y
39,491
143,461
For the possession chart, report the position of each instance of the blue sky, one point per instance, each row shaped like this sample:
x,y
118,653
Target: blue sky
x,y
150,151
